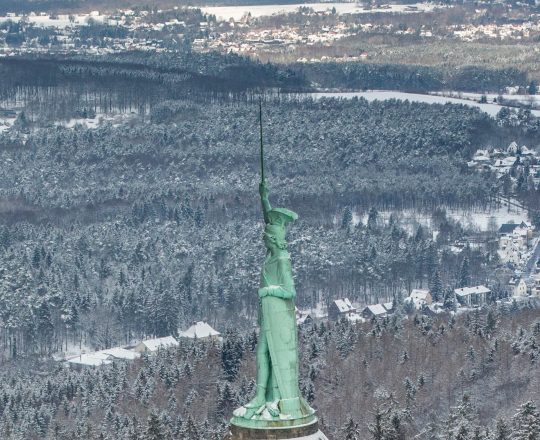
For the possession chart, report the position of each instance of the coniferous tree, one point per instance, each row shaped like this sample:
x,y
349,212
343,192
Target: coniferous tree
x,y
502,430
351,430
346,218
436,287
464,273
526,423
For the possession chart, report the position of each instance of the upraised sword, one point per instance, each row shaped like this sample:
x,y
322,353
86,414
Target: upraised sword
x,y
261,136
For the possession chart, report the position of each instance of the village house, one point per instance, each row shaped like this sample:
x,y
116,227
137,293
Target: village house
x,y
527,152
100,358
514,240
535,291
519,287
340,308
153,345
389,306
303,317
374,311
200,330
472,296
512,148
419,298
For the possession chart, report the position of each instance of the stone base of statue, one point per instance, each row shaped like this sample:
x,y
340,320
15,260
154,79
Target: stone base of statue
x,y
265,426
276,431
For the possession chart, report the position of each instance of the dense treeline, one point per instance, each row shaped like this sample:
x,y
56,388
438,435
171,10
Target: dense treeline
x,y
361,75
135,80
474,377
362,149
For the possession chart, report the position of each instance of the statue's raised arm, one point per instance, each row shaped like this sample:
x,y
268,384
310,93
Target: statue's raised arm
x,y
263,191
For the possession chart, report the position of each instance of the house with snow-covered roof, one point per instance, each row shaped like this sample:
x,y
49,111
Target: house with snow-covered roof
x,y
89,360
419,298
512,148
472,296
340,308
389,306
200,330
101,358
302,317
153,345
119,353
514,241
374,311
527,152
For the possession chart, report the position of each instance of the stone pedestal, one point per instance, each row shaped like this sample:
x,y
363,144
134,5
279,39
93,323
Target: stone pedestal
x,y
303,432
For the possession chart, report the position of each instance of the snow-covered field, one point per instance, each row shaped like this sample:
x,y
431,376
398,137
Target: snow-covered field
x,y
98,120
478,219
383,95
522,99
60,21
237,12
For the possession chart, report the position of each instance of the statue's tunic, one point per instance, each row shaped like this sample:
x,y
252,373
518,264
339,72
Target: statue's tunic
x,y
279,334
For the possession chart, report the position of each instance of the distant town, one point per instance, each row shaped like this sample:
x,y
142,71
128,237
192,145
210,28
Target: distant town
x,y
230,30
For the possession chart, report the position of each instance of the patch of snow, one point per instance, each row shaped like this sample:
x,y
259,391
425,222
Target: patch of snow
x,y
225,13
384,95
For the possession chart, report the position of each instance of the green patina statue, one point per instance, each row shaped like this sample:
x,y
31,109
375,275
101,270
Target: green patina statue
x,y
277,402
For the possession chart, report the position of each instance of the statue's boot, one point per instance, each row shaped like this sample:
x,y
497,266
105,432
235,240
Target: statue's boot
x,y
256,403
291,408
272,408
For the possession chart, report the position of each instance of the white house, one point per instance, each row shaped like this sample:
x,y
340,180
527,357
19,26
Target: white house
x,y
514,239
481,158
153,345
472,296
89,360
121,354
200,330
418,298
520,288
102,357
512,148
526,152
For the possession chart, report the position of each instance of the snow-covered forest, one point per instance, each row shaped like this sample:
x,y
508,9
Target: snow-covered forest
x,y
475,377
133,229
124,231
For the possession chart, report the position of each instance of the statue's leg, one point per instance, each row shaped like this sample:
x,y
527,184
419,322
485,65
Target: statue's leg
x,y
263,374
273,395
283,347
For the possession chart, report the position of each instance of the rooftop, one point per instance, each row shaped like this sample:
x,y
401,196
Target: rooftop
x,y
344,305
376,309
199,329
155,344
465,291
